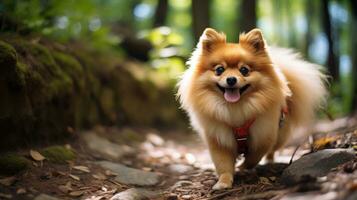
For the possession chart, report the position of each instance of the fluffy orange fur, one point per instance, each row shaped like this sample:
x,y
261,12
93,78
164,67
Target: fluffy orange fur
x,y
277,78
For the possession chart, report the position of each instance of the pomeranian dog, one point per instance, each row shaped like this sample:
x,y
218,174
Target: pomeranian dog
x,y
247,98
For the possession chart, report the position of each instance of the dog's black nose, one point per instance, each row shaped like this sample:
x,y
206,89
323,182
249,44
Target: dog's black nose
x,y
231,81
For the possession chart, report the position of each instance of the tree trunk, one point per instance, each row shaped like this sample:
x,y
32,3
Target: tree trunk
x,y
278,21
353,5
332,62
309,9
161,13
290,22
248,18
200,16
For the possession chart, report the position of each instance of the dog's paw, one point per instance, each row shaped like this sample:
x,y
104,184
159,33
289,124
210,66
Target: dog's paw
x,y
220,186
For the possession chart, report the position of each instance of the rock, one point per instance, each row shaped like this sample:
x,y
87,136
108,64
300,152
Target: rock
x,y
155,139
45,197
11,163
180,168
136,194
352,196
315,165
186,196
210,182
129,175
310,195
105,147
58,154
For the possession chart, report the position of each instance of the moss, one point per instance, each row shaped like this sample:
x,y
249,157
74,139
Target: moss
x,y
8,59
11,164
46,79
71,67
58,154
106,101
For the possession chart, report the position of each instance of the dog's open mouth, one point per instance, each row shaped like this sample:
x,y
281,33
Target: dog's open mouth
x,y
232,94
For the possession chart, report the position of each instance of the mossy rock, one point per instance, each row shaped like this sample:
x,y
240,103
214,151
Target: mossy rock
x,y
12,163
8,58
71,67
58,154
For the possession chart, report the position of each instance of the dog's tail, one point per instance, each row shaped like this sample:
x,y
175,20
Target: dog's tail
x,y
307,83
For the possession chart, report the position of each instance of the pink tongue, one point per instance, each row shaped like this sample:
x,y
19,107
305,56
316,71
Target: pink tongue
x,y
232,95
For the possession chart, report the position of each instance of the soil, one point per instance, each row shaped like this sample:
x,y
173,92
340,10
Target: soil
x,y
157,151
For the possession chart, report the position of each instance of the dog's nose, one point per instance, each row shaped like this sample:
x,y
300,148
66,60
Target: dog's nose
x,y
231,80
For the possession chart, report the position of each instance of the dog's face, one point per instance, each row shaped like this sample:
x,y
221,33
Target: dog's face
x,y
233,75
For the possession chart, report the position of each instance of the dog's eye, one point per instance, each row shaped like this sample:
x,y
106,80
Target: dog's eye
x,y
219,70
244,71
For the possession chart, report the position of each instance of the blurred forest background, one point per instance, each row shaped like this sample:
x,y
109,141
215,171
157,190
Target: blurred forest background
x,y
152,39
163,32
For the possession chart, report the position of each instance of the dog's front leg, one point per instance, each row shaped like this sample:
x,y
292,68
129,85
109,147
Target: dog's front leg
x,y
224,161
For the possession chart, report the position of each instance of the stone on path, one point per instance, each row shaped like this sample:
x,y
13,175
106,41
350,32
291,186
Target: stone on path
x,y
45,197
136,194
129,175
180,168
316,164
311,195
352,196
105,147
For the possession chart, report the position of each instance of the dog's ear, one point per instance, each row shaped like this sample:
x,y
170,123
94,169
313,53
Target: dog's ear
x,y
253,39
210,38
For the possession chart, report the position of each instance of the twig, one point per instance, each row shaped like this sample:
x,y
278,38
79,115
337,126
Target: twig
x,y
328,114
222,194
115,183
263,195
292,156
311,142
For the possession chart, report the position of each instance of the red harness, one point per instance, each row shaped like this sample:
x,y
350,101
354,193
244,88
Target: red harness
x,y
241,134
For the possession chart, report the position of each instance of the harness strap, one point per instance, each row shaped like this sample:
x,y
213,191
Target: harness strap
x,y
241,134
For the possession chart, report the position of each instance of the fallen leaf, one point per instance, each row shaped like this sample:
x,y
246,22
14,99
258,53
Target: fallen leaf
x,y
264,180
75,177
21,191
148,169
324,143
36,155
60,173
5,196
82,168
66,188
76,193
99,176
8,181
104,189
110,173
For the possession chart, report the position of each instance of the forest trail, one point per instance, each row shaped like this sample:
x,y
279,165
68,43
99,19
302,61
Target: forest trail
x,y
129,163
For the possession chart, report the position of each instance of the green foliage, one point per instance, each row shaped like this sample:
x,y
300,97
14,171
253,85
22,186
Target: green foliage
x,y
58,154
101,24
12,163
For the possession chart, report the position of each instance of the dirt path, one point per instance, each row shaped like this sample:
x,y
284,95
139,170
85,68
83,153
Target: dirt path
x,y
148,164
